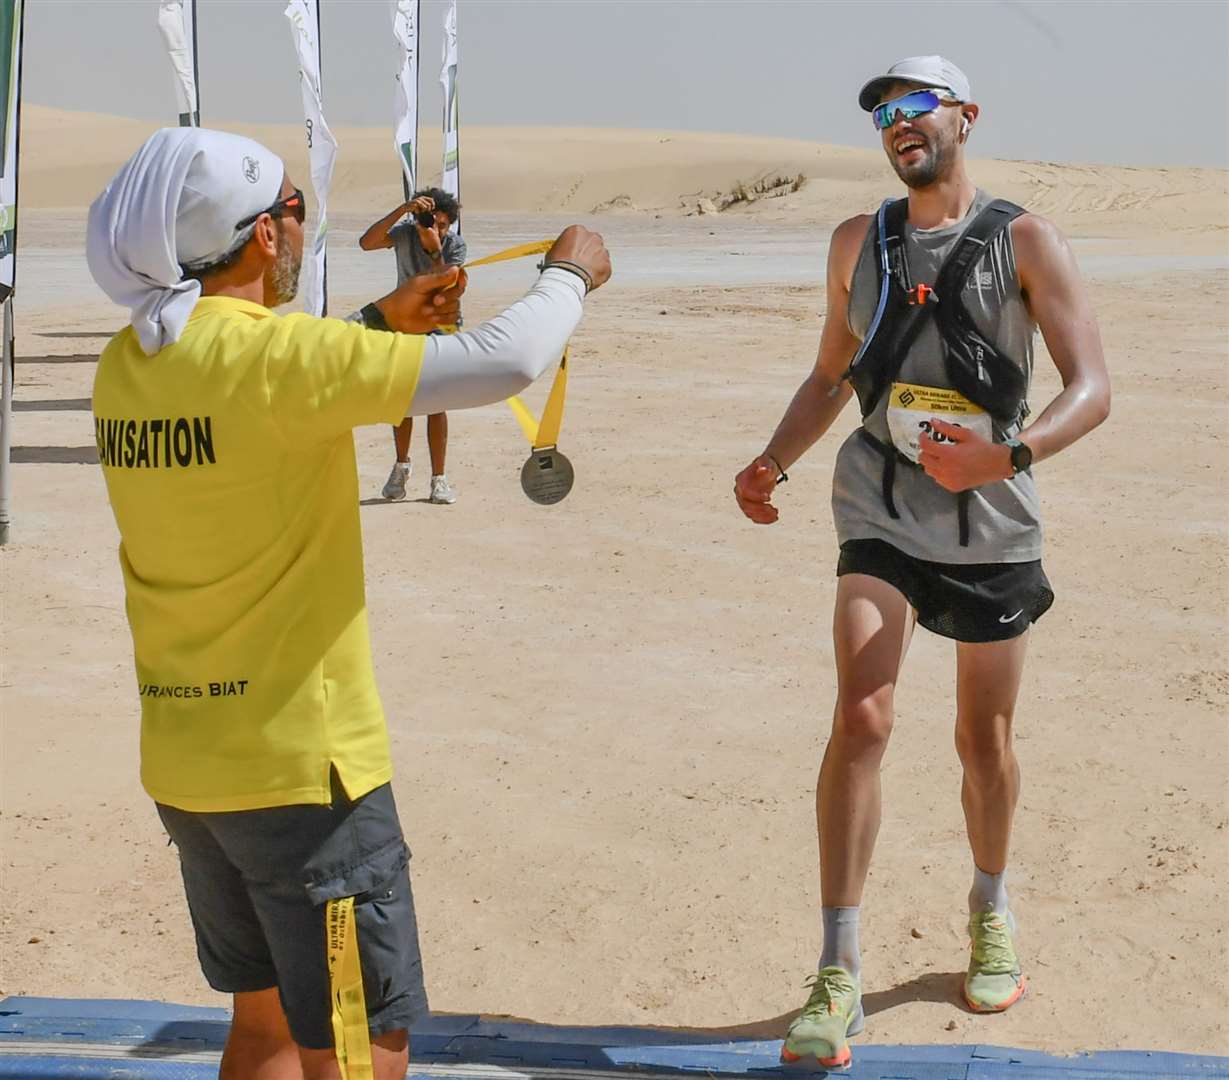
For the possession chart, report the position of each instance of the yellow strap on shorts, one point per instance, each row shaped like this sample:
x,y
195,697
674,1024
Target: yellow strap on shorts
x,y
351,1039
545,433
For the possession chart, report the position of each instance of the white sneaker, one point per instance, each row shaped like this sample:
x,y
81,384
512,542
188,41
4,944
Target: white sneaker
x,y
441,491
394,486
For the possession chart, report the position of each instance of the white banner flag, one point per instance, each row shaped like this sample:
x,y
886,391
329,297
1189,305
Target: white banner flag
x,y
177,24
405,138
451,181
10,112
304,16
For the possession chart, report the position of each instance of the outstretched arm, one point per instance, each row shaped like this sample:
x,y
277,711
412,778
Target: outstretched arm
x,y
823,393
505,354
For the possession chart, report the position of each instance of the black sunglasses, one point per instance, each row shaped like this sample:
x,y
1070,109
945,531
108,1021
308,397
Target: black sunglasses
x,y
294,204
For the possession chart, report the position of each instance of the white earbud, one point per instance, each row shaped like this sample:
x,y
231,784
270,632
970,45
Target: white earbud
x,y
964,125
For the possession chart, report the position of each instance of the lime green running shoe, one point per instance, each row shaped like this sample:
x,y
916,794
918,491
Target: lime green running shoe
x,y
832,1013
994,982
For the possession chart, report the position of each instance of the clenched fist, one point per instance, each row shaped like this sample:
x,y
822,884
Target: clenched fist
x,y
585,249
425,302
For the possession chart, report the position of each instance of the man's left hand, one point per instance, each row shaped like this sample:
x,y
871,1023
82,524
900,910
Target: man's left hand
x,y
963,459
425,302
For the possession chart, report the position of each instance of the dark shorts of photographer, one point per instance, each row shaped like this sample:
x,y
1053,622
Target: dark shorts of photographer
x,y
258,883
977,602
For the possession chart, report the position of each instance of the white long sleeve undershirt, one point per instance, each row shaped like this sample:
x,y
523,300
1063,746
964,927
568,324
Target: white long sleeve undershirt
x,y
503,355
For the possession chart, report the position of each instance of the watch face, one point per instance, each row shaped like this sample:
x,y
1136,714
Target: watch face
x,y
1021,456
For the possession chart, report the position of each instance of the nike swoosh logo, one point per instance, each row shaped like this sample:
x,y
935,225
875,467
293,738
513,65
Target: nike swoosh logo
x,y
1011,618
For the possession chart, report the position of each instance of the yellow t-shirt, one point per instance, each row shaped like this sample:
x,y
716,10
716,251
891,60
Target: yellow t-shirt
x,y
229,461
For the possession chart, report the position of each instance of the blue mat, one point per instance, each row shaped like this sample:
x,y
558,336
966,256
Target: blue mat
x,y
145,1040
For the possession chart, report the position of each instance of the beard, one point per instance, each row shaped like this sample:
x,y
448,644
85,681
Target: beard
x,y
935,163
284,276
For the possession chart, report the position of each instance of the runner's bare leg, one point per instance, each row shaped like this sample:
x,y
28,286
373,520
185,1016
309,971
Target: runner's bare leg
x,y
987,685
872,626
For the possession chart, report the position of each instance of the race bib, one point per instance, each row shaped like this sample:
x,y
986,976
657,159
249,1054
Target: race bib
x,y
912,408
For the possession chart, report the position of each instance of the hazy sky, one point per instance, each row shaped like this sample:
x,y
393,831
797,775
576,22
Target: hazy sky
x,y
1129,81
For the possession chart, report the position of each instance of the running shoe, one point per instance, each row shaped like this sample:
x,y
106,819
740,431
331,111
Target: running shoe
x,y
832,1013
441,491
394,486
994,982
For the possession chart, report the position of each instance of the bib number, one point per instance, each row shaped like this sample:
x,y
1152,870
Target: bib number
x,y
911,410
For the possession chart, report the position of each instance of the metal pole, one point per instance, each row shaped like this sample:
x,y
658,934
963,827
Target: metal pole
x,y
456,81
6,354
196,71
324,269
6,423
417,93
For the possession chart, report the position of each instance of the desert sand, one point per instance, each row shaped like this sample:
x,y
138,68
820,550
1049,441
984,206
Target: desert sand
x,y
607,716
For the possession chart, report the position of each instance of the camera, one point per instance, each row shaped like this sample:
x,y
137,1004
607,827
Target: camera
x,y
426,219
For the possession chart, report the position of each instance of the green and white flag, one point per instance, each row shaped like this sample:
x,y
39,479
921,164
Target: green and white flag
x,y
10,114
451,180
177,24
304,16
405,138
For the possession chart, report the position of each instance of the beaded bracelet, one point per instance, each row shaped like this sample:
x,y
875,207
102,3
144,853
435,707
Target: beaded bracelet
x,y
572,268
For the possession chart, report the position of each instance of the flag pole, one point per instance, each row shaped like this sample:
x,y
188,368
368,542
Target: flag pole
x,y
7,287
324,263
196,71
405,183
6,424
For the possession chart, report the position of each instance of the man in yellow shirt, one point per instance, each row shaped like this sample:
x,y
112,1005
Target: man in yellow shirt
x,y
224,432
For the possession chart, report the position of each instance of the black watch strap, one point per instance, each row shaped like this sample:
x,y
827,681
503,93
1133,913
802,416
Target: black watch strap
x,y
373,318
781,474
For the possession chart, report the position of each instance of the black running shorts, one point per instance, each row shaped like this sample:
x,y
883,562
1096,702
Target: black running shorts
x,y
258,882
974,602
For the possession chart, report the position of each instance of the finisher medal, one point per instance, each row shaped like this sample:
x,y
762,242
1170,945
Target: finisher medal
x,y
547,476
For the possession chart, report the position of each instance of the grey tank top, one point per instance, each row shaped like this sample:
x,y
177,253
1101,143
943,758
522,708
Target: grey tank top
x,y
1004,517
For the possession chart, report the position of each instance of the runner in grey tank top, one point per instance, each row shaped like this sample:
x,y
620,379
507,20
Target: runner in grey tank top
x,y
1004,518
921,453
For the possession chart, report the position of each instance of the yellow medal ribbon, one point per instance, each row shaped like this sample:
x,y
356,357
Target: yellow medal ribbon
x,y
538,247
545,433
351,1039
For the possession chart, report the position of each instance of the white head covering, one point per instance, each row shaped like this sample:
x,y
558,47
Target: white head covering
x,y
174,204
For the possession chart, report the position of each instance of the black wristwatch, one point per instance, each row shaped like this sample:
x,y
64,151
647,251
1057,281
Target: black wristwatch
x,y
1021,456
373,318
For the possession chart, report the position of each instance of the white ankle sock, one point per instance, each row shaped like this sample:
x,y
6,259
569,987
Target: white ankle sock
x,y
989,892
840,947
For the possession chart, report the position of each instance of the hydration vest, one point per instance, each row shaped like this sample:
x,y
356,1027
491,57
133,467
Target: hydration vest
x,y
974,366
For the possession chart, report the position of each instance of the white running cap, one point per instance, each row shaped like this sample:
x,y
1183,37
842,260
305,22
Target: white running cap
x,y
932,71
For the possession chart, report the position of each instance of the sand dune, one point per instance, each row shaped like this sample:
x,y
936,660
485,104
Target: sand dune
x,y
68,157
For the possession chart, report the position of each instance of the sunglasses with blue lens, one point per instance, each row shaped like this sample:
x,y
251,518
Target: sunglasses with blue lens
x,y
911,105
